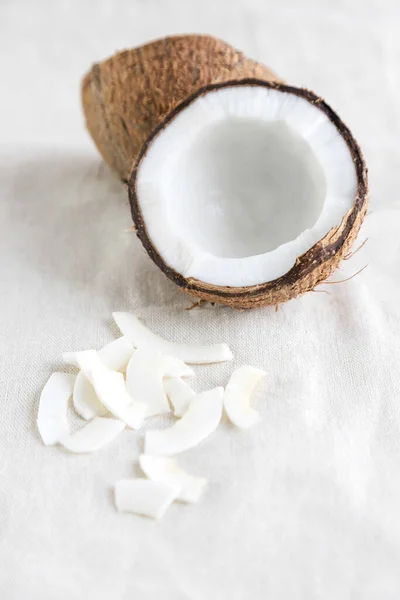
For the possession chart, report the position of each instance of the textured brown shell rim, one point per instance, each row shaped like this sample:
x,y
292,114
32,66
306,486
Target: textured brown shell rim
x,y
304,264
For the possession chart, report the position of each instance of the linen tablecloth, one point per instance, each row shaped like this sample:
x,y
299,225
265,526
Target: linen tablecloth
x,y
305,505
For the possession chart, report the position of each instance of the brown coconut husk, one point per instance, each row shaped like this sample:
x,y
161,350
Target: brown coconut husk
x,y
125,97
310,269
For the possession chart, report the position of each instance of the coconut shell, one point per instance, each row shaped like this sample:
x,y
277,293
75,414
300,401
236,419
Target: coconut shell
x,y
127,96
310,269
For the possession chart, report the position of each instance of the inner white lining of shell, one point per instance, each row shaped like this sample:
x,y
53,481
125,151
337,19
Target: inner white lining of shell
x,y
248,179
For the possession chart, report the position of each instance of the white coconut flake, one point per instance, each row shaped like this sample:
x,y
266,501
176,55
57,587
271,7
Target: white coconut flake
x,y
166,470
93,436
85,360
198,422
144,378
141,336
114,356
179,393
117,354
52,415
110,389
237,396
85,400
70,358
144,497
174,367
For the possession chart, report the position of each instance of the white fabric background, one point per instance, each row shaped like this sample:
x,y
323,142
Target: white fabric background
x,y
307,505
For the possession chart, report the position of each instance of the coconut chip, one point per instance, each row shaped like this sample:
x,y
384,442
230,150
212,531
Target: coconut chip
x,y
117,354
110,389
85,360
166,470
144,497
237,396
93,436
52,415
144,378
198,422
179,393
141,336
174,367
85,400
114,356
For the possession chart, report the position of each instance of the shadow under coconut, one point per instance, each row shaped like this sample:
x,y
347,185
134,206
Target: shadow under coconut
x,y
67,218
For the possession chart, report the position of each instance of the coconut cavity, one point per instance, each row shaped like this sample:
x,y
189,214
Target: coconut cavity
x,y
245,187
241,182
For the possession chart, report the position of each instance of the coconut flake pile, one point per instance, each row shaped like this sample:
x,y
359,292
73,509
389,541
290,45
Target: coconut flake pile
x,y
127,382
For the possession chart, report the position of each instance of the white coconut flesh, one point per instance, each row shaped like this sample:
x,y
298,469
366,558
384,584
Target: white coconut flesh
x,y
110,389
241,182
52,414
144,378
166,470
85,400
93,436
86,360
198,422
144,497
238,393
179,393
114,356
140,336
170,366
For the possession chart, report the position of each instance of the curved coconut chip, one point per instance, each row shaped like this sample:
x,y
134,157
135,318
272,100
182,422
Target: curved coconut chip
x,y
141,336
110,389
70,358
114,356
85,400
237,396
52,414
85,360
174,367
144,497
179,393
166,470
93,436
200,420
117,354
144,378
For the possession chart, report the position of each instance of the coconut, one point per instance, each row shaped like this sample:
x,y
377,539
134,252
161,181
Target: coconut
x,y
125,97
247,192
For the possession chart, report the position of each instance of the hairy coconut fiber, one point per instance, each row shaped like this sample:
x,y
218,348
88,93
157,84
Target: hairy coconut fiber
x,y
127,96
310,269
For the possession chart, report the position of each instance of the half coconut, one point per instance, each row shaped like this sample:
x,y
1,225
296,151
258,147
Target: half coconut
x,y
249,192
